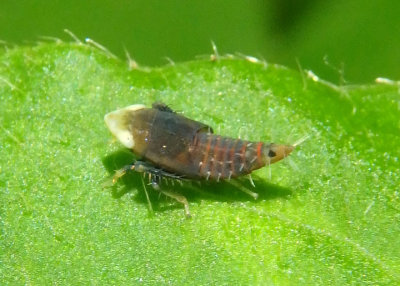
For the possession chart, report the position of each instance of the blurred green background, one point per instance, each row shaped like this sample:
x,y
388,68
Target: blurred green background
x,y
341,41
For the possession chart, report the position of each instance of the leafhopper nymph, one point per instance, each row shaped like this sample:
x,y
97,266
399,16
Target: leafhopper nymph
x,y
170,145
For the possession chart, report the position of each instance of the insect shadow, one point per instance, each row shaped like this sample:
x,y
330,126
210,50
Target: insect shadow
x,y
194,191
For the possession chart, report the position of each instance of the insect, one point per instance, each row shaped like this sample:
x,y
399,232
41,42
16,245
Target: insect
x,y
173,146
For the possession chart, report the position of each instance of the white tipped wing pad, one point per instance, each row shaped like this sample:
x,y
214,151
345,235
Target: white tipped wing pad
x,y
116,122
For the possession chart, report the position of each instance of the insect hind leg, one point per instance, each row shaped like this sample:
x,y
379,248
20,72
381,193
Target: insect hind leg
x,y
179,198
243,189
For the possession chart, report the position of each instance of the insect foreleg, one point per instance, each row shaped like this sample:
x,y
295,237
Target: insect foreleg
x,y
121,172
145,167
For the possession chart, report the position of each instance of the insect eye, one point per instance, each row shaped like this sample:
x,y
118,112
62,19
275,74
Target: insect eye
x,y
271,153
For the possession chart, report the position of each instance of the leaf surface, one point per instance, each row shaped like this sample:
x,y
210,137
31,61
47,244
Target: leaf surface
x,y
328,214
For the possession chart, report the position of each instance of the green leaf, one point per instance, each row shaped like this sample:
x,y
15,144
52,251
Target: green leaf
x,y
328,214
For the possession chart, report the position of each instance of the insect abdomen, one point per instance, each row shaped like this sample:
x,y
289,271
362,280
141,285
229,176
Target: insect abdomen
x,y
220,157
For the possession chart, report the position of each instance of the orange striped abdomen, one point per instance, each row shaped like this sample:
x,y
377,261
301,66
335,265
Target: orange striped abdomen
x,y
220,157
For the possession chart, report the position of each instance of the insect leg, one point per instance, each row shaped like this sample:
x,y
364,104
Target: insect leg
x,y
155,175
180,199
243,189
175,196
121,172
147,197
145,167
251,180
